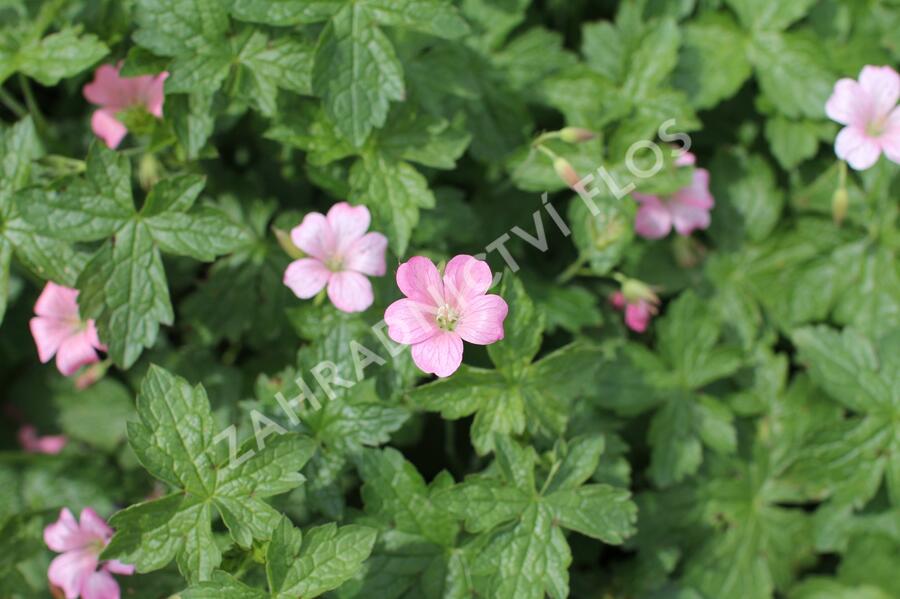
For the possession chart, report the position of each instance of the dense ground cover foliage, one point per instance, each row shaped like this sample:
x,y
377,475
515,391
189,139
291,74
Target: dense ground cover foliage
x,y
429,299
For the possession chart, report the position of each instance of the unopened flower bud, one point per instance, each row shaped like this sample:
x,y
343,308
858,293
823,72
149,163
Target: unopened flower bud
x,y
635,290
576,135
284,240
839,203
149,171
566,172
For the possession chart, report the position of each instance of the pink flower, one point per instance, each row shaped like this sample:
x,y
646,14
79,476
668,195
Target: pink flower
x,y
639,302
869,110
32,443
115,94
686,210
58,330
438,314
340,253
76,570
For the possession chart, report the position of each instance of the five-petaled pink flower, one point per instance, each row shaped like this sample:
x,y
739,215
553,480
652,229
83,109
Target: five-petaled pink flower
x,y
58,330
686,210
80,543
32,443
115,94
638,301
340,255
869,110
438,314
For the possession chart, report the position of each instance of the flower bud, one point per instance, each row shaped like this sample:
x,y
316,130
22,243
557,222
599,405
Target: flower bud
x,y
839,204
576,135
566,172
284,240
635,290
149,171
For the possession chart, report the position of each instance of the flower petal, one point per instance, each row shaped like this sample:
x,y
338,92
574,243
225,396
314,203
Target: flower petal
x,y
440,354
92,524
848,104
48,444
314,236
76,351
410,322
49,334
882,85
153,95
65,534
637,316
890,140
100,585
366,255
466,278
653,220
348,223
107,89
419,280
57,301
306,277
481,322
689,208
119,568
71,570
858,149
350,291
107,127
617,299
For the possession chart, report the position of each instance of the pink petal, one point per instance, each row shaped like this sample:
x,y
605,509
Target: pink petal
x,y
71,570
75,352
466,278
481,322
107,127
882,84
57,301
94,337
119,568
848,104
653,220
686,159
890,139
153,94
49,334
350,291
95,526
617,299
419,280
100,585
65,534
108,90
858,149
410,322
637,316
306,277
440,355
689,208
366,255
687,218
697,193
348,223
49,444
314,236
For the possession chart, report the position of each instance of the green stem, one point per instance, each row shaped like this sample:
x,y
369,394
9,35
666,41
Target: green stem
x,y
547,151
12,104
572,270
30,101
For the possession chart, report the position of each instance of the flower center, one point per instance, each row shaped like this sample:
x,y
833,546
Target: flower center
x,y
447,317
334,264
877,127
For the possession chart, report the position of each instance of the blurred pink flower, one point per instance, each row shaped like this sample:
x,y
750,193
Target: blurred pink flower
x,y
76,571
687,209
32,443
58,330
639,303
438,314
115,94
869,110
341,254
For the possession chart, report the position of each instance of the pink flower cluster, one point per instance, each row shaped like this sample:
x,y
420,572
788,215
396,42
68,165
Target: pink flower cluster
x,y
439,313
33,443
687,209
78,571
868,109
115,94
59,331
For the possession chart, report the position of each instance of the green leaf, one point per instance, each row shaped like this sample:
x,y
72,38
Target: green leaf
x,y
713,64
653,61
60,55
434,17
175,440
770,14
523,329
272,63
395,191
179,27
792,142
97,416
285,12
201,234
750,202
356,73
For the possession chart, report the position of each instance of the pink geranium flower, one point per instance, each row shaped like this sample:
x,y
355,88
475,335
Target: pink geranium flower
x,y
686,210
115,94
32,443
638,301
58,330
80,543
341,254
438,314
869,110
